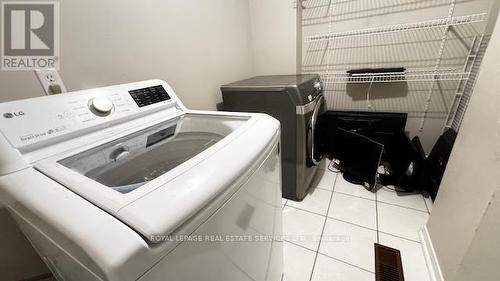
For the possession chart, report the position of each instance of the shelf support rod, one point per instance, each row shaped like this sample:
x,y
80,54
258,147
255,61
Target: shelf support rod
x,y
328,12
491,20
469,84
330,24
439,58
461,86
368,101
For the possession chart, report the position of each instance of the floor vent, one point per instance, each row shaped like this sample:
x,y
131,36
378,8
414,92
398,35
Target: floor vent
x,y
388,266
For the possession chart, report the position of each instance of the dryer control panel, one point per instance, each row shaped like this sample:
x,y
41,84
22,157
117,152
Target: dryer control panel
x,y
32,121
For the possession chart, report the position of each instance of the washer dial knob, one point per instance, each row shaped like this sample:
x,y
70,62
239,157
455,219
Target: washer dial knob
x,y
101,105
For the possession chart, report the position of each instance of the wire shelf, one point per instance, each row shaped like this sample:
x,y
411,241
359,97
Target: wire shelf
x,y
439,23
323,4
431,51
409,76
414,51
317,12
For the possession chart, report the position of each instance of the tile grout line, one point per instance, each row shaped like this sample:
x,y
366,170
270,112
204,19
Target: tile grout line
x,y
400,237
373,200
375,193
328,256
376,200
409,208
358,225
355,196
347,194
353,224
323,229
332,218
298,245
353,265
310,212
323,188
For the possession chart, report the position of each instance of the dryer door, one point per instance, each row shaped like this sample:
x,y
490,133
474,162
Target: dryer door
x,y
313,154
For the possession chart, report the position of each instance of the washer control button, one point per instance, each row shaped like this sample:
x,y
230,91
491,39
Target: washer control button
x,y
101,105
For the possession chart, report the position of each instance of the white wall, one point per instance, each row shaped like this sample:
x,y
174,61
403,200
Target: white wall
x,y
195,45
482,259
464,225
274,36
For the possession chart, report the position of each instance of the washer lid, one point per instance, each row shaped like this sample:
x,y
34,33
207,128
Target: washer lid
x,y
156,178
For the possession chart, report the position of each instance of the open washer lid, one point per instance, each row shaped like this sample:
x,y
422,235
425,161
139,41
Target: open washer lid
x,y
132,161
158,177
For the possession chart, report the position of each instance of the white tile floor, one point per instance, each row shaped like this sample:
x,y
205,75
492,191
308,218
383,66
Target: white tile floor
x,y
330,235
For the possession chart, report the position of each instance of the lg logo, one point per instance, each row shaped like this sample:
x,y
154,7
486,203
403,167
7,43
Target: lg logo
x,y
9,115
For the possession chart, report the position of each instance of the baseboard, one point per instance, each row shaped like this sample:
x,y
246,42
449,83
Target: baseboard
x,y
430,256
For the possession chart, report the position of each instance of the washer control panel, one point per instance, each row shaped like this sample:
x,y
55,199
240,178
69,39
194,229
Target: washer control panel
x,y
31,121
149,95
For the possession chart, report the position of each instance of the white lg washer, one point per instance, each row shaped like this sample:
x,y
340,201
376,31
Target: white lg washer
x,y
124,183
